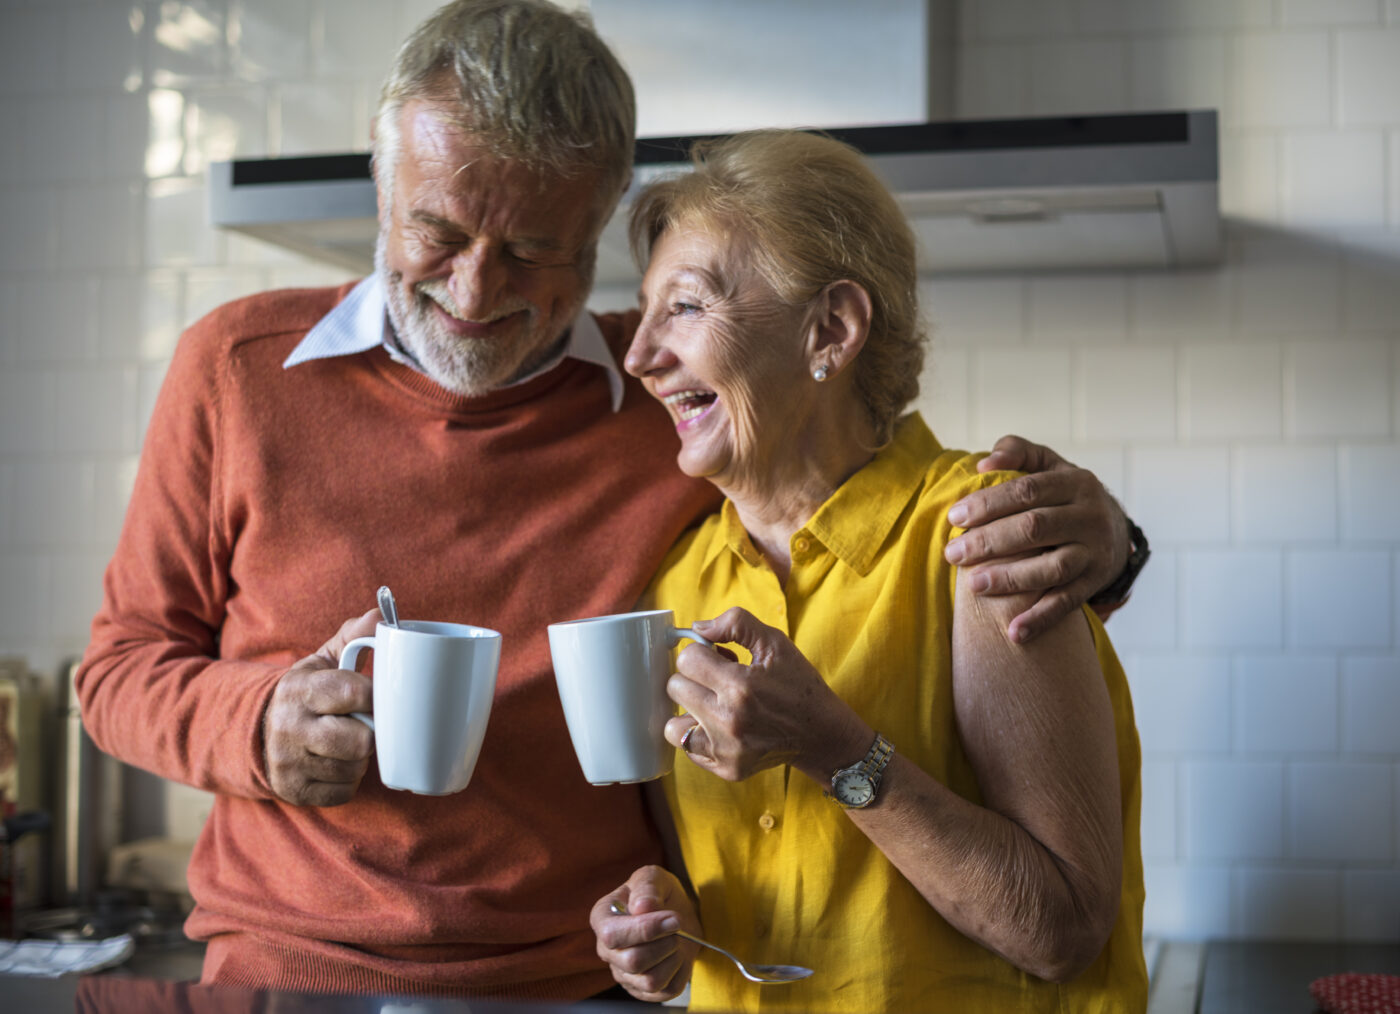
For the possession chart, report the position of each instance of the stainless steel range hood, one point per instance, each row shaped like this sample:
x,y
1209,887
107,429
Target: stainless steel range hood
x,y
1047,194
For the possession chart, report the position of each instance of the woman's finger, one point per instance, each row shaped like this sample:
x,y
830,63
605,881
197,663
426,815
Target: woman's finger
x,y
685,733
739,626
692,695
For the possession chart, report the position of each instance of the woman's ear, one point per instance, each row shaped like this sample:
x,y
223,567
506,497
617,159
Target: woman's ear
x,y
841,325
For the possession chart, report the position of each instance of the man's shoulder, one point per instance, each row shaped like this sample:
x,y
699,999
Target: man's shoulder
x,y
277,313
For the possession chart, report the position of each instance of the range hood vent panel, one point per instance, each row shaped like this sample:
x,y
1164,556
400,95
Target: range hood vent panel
x,y
1047,194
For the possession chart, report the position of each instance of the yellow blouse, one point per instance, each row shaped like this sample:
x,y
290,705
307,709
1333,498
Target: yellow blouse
x,y
781,874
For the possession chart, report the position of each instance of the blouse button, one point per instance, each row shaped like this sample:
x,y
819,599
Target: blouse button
x,y
767,821
802,543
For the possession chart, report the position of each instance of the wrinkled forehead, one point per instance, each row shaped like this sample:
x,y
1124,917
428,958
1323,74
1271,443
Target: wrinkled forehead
x,y
704,234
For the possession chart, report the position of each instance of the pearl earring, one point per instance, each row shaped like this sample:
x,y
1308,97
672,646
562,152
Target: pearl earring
x,y
820,373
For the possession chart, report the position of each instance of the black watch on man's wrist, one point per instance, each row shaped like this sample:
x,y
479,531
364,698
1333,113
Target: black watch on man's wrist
x,y
1116,593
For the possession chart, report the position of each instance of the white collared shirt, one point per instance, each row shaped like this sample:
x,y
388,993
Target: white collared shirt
x,y
360,321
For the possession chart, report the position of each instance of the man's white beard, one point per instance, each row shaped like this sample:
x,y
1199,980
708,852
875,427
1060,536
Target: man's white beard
x,y
469,367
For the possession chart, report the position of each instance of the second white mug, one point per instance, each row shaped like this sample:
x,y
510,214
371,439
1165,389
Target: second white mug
x,y
612,672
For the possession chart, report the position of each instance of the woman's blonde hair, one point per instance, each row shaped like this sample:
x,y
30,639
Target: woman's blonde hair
x,y
532,82
813,212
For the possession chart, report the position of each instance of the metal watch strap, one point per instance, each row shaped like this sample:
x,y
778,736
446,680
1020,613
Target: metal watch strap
x,y
877,758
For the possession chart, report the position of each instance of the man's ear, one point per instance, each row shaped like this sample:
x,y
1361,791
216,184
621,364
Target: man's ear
x,y
840,325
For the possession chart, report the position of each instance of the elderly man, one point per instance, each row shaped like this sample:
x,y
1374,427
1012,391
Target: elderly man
x,y
455,426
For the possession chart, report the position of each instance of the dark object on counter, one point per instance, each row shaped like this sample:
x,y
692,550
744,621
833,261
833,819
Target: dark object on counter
x,y
90,805
12,829
152,918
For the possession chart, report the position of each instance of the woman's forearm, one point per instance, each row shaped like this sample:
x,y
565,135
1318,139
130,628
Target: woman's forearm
x,y
988,877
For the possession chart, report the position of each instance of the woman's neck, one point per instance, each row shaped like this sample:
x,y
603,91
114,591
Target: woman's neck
x,y
776,498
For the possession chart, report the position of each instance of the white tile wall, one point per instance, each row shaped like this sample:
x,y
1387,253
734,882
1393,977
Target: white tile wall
x,y
1333,179
1233,810
1188,900
1341,812
1285,493
1158,810
1178,72
1368,509
1149,620
1331,12
1280,80
1182,703
1009,395
1368,78
1285,704
1232,391
1079,76
1339,598
1287,904
1338,388
1185,306
1248,415
1129,393
1233,599
1371,904
1181,494
1370,704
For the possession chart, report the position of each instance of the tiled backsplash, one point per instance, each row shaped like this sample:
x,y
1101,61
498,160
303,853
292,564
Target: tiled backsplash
x,y
1248,416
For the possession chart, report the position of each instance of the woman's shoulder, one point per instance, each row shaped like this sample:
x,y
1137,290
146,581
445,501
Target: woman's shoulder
x,y
949,474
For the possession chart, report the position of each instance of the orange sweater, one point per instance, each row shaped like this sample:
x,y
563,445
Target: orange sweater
x,y
269,505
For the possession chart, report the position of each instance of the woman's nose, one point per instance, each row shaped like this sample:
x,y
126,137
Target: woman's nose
x,y
478,281
644,352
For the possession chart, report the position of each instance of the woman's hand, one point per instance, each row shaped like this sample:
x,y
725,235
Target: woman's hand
x,y
646,957
777,710
1078,531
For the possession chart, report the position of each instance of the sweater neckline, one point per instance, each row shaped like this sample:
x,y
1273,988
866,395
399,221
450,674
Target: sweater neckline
x,y
426,390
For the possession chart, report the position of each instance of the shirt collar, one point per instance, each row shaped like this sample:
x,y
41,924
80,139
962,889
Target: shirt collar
x,y
360,322
855,521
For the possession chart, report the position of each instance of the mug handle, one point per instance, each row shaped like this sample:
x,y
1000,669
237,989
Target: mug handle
x,y
349,658
679,634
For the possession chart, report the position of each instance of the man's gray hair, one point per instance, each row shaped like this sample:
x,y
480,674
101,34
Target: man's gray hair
x,y
533,83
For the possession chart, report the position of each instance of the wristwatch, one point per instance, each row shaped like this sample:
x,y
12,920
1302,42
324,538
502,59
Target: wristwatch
x,y
858,785
1115,594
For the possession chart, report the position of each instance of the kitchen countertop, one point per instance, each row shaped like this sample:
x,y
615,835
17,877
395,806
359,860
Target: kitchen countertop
x,y
1237,977
1249,977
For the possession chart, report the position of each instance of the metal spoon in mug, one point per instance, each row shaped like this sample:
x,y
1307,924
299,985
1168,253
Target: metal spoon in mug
x,y
387,608
764,974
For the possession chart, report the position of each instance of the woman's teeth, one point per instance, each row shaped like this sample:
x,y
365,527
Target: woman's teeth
x,y
689,404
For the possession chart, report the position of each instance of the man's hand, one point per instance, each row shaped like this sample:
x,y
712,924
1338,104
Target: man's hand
x,y
315,753
1056,531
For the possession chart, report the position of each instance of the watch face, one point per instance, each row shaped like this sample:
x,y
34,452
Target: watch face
x,y
853,788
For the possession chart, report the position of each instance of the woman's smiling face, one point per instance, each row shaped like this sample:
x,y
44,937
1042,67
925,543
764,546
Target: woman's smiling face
x,y
723,353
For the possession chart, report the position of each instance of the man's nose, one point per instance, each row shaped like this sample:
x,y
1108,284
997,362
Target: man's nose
x,y
478,280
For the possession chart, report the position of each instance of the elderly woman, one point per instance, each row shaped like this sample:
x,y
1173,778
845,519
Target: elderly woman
x,y
979,852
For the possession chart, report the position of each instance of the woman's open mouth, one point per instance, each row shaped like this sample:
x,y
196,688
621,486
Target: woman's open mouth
x,y
690,405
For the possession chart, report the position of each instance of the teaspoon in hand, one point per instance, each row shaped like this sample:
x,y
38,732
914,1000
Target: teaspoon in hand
x,y
765,974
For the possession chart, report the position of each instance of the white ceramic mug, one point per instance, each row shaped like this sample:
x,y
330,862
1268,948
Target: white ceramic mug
x,y
433,687
612,673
